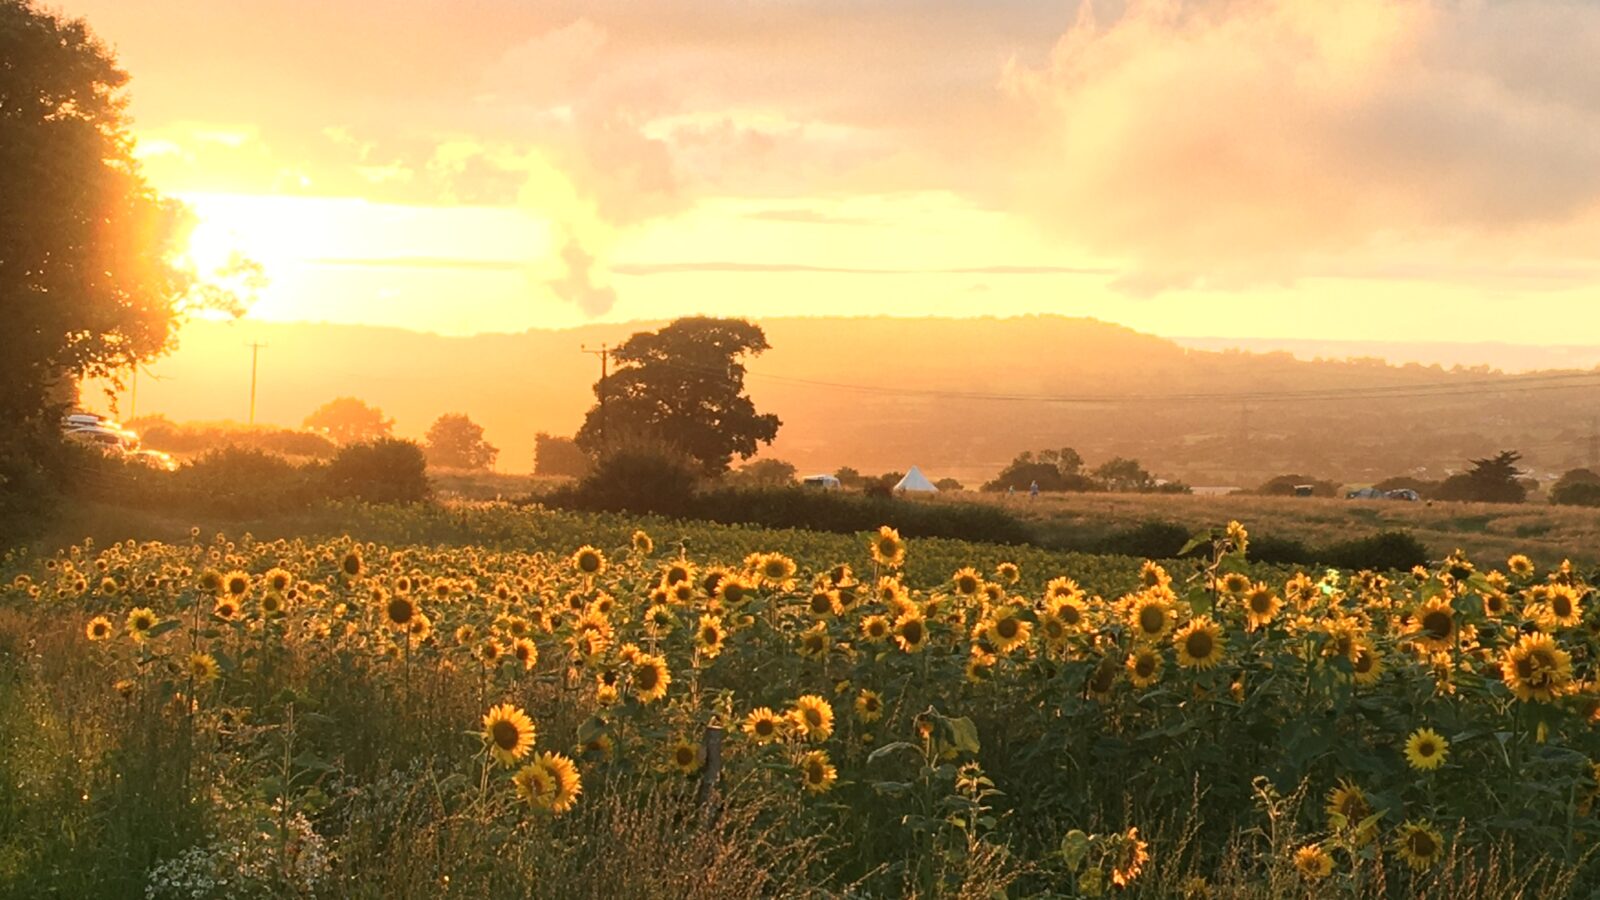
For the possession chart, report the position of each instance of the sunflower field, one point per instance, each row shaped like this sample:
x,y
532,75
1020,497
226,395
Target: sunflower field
x,y
337,718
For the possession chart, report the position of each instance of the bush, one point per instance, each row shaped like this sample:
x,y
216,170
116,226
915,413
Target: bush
x,y
1280,551
386,470
640,477
1152,540
1384,551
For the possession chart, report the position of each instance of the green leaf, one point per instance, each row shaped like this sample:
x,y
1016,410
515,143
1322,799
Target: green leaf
x,y
1074,847
887,749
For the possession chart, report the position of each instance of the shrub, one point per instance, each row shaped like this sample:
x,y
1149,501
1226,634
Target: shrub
x,y
642,476
1386,550
386,470
1280,551
1152,540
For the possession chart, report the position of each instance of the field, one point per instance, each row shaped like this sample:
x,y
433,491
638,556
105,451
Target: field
x,y
477,700
1546,533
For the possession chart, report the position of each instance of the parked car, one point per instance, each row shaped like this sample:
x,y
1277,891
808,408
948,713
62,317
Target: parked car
x,y
115,441
155,459
1406,494
821,482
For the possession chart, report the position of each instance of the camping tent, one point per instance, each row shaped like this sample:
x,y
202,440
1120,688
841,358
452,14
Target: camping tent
x,y
916,481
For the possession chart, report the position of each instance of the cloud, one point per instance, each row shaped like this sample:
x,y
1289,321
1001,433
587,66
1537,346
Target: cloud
x,y
579,284
1232,143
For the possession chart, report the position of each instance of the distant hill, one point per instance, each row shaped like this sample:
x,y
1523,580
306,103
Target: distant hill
x,y
957,397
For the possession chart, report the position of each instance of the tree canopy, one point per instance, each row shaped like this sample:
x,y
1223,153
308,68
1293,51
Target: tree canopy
x,y
684,386
1490,480
88,250
455,441
346,419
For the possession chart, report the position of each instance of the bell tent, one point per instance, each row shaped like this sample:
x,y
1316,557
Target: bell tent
x,y
917,482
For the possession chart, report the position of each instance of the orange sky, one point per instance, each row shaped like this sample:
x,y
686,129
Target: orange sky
x,y
1280,168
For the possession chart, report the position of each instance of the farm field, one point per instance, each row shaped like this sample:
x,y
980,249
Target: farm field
x,y
477,700
1544,532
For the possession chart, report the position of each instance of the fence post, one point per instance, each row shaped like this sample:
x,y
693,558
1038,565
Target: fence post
x,y
708,783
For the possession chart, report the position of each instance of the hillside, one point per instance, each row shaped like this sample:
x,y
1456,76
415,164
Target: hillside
x,y
884,393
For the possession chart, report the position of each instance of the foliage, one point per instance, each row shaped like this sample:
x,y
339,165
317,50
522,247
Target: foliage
x,y
346,420
683,385
386,470
1425,489
640,476
159,433
556,455
949,484
1396,551
763,473
1576,487
455,441
1052,470
1490,480
299,716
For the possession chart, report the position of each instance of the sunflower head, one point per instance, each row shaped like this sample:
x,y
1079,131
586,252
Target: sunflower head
x,y
1426,749
508,733
888,550
763,725
817,772
588,561
98,629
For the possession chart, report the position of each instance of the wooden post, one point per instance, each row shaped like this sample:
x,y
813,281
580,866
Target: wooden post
x,y
708,783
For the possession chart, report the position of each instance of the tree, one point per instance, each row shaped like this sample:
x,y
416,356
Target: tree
x,y
1577,487
765,473
88,250
556,455
455,441
1285,485
1125,475
346,419
948,484
683,385
1490,480
1053,470
849,477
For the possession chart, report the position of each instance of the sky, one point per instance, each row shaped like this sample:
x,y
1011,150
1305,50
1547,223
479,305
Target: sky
x,y
1328,169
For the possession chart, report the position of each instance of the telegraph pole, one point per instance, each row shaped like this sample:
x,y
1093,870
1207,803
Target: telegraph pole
x,y
605,359
133,399
255,353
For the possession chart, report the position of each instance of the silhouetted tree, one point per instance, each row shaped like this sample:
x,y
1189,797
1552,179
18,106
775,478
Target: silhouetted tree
x,y
948,484
764,473
346,419
1577,487
849,477
1490,480
455,441
684,385
1124,475
1054,470
556,455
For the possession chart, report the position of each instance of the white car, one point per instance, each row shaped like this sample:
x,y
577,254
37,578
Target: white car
x,y
110,440
155,459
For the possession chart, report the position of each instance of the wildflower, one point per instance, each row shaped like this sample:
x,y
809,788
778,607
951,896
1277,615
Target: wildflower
x,y
1144,667
763,725
1200,644
1313,862
509,733
1419,844
888,550
813,717
819,774
98,629
650,677
589,561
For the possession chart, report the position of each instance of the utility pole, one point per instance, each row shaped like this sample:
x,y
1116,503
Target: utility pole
x,y
133,398
255,353
605,359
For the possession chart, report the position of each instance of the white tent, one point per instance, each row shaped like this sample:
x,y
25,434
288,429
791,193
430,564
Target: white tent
x,y
916,481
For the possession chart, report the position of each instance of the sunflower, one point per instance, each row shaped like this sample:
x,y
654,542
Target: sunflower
x,y
875,628
869,706
1367,667
763,725
550,782
399,611
98,629
1562,606
814,641
1200,644
1008,572
278,579
1536,669
140,621
1520,565
1006,631
888,550
489,651
273,603
824,603
1496,604
776,570
1261,606
966,581
1238,537
1144,667
1419,844
1348,808
911,631
819,774
1072,611
1234,583
1052,630
677,572
211,581
1434,625
642,544
509,733
684,756
980,664
733,590
526,652
1128,858
1104,677
202,667
1313,862
589,561
650,677
351,564
1150,616
813,718
1426,749
236,583
709,636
